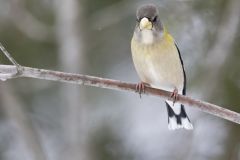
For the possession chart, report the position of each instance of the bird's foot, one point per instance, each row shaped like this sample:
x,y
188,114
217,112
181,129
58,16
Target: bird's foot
x,y
140,88
174,95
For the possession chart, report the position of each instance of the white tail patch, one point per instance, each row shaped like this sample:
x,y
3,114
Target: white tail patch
x,y
173,125
186,124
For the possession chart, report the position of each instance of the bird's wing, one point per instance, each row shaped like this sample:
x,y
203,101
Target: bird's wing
x,y
184,74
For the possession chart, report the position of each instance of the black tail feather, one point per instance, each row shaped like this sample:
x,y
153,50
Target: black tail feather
x,y
179,117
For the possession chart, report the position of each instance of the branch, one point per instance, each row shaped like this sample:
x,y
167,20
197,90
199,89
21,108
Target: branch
x,y
17,71
115,85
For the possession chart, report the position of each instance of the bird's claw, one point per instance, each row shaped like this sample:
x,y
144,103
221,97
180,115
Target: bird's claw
x,y
140,88
174,95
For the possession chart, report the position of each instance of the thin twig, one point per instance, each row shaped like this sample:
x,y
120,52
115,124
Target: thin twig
x,y
117,85
19,68
5,52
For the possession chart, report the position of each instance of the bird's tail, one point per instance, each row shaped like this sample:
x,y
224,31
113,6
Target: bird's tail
x,y
177,117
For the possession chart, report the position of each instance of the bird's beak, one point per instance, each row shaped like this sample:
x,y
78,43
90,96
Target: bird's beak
x,y
145,24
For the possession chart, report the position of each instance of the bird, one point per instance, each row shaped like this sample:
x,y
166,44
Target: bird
x,y
158,62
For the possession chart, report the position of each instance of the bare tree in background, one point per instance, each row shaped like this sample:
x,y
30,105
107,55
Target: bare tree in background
x,y
22,18
71,59
142,128
218,54
220,51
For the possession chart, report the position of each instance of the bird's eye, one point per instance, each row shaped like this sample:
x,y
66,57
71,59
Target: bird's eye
x,y
154,19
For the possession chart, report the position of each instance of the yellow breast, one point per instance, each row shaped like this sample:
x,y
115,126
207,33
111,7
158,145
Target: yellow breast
x,y
158,63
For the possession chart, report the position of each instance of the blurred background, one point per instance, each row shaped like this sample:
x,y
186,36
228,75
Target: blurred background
x,y
43,120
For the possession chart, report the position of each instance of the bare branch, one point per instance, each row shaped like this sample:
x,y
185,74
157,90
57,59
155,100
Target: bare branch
x,y
10,71
116,85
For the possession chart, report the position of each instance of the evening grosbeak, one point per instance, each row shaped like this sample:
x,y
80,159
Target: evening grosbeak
x,y
158,62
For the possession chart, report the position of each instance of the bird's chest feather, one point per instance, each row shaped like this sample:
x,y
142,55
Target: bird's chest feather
x,y
158,64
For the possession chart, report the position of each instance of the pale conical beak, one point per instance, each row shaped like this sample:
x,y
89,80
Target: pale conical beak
x,y
145,24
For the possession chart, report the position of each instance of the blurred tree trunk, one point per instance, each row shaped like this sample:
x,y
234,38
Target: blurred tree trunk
x,y
21,18
218,55
215,71
18,116
71,59
221,49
